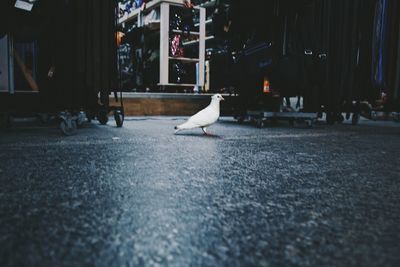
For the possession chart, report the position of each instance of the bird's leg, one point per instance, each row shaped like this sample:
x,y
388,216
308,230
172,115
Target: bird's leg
x,y
206,133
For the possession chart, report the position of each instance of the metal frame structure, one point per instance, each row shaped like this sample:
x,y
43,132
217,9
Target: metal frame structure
x,y
136,17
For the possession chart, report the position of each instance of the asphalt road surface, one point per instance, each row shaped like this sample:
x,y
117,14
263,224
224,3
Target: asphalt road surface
x,y
142,196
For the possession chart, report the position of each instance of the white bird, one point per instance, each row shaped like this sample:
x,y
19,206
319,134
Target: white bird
x,y
204,117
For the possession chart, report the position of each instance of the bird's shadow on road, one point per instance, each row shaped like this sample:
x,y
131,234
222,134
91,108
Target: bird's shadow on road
x,y
200,135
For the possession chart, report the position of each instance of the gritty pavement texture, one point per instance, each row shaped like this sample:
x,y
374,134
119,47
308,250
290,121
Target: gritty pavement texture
x,y
142,196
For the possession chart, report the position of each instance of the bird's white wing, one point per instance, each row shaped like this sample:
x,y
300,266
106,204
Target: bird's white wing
x,y
204,117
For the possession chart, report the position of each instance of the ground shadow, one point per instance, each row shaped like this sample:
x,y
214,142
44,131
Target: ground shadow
x,y
200,135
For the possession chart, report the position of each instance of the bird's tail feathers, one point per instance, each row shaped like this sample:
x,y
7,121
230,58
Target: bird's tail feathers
x,y
184,126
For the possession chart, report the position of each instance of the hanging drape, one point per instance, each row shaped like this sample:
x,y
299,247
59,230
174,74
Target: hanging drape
x,y
76,38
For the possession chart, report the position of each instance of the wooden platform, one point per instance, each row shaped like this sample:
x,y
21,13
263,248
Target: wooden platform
x,y
156,104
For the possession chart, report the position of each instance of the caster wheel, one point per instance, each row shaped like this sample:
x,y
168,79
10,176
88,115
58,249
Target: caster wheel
x,y
330,118
9,121
355,118
102,116
374,115
309,123
68,127
396,117
119,118
81,119
340,118
6,121
260,124
44,118
89,116
347,115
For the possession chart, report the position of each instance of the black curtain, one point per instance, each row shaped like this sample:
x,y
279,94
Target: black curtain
x,y
340,39
76,38
84,52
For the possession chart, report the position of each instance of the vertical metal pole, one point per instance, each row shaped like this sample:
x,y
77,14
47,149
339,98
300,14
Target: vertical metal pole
x,y
284,37
397,80
11,65
164,43
202,46
4,65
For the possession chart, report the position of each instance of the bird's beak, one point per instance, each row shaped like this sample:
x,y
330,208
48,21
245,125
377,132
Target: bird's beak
x,y
222,98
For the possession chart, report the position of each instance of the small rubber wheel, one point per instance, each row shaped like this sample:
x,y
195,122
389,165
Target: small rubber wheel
x,y
9,121
102,116
340,118
396,117
44,118
119,117
260,124
68,127
374,115
6,121
330,118
355,118
81,118
89,116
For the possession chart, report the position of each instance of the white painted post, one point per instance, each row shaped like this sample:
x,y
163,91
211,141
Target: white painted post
x,y
202,46
164,43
